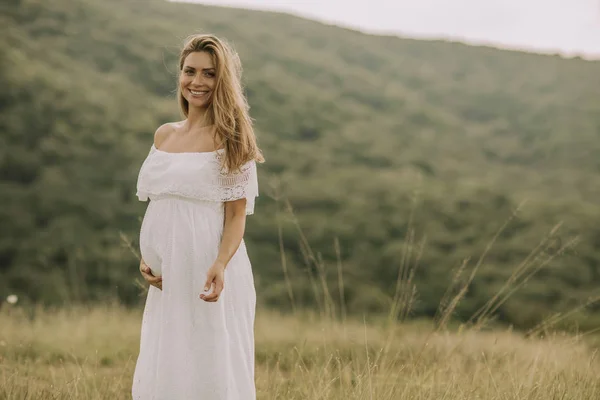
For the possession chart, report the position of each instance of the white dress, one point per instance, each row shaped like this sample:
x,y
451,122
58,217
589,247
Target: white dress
x,y
191,349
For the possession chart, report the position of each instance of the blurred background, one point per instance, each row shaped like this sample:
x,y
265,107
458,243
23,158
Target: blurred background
x,y
415,151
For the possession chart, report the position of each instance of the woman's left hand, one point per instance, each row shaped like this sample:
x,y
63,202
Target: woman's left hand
x,y
215,276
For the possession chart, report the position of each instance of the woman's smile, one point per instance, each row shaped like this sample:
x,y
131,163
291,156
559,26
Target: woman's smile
x,y
198,93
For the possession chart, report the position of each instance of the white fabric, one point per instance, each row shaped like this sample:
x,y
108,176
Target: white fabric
x,y
191,349
196,175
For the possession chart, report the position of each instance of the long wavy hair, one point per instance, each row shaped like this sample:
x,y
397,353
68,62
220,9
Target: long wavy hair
x,y
228,109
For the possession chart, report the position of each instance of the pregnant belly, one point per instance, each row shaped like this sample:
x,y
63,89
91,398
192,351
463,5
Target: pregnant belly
x,y
179,227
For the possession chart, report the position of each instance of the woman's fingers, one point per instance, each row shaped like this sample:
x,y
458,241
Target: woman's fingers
x,y
214,296
151,279
157,285
216,293
144,267
146,272
207,287
148,277
210,277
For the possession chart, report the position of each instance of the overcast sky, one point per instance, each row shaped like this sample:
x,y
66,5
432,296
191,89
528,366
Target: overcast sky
x,y
566,26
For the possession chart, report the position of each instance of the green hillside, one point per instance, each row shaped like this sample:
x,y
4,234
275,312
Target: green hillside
x,y
369,137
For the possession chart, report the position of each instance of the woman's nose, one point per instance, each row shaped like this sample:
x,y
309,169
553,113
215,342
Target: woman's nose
x,y
197,79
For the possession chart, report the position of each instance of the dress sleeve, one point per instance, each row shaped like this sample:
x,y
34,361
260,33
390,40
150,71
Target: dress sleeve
x,y
239,185
141,193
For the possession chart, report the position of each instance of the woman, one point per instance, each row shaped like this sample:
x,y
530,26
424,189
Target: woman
x,y
197,338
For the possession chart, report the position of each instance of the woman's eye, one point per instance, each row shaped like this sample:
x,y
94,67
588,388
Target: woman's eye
x,y
209,74
188,72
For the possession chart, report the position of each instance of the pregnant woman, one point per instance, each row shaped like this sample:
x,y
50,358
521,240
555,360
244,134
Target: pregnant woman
x,y
197,335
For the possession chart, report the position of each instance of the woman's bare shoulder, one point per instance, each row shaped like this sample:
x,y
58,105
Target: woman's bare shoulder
x,y
164,131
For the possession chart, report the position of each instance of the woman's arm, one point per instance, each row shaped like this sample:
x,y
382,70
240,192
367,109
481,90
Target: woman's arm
x,y
233,232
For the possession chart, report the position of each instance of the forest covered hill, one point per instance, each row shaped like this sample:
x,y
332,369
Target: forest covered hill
x,y
369,137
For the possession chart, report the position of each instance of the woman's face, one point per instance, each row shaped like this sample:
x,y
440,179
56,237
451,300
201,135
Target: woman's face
x,y
197,79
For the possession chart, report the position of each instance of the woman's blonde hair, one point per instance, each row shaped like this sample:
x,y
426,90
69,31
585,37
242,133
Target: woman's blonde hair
x,y
228,109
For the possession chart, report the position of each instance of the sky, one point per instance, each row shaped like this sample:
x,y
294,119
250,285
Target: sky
x,y
570,27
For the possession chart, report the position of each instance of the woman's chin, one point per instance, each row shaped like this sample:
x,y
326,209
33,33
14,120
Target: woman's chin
x,y
203,105
198,103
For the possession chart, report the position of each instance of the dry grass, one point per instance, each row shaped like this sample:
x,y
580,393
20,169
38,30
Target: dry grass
x,y
90,354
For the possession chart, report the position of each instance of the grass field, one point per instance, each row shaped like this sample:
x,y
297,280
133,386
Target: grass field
x,y
90,354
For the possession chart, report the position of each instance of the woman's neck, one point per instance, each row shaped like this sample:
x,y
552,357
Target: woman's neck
x,y
197,118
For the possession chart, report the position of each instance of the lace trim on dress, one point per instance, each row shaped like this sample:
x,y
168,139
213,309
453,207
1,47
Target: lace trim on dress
x,y
196,175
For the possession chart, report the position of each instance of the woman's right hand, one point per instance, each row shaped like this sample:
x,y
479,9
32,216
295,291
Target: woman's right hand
x,y
155,281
